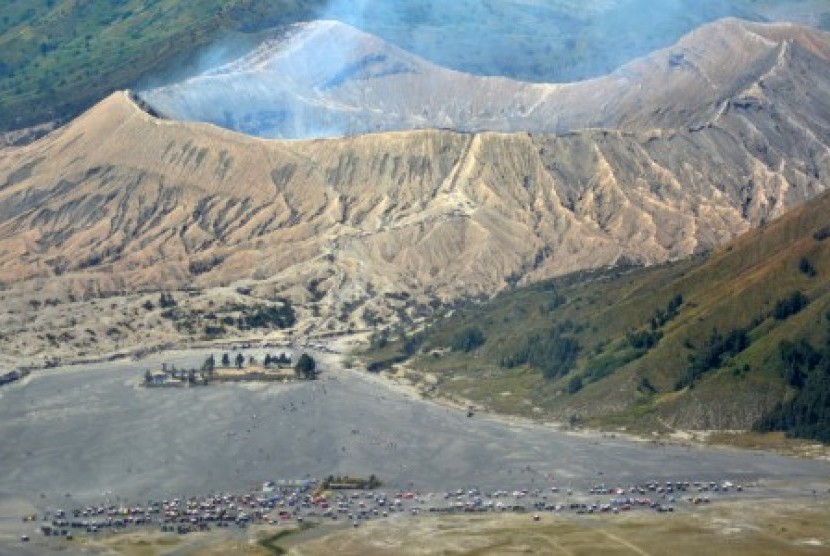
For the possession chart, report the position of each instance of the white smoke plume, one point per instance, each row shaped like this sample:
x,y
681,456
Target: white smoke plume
x,y
326,80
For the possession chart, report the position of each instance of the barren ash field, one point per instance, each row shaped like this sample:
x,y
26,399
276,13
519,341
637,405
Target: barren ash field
x,y
71,443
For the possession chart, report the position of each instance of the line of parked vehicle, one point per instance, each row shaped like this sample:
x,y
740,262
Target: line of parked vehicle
x,y
305,501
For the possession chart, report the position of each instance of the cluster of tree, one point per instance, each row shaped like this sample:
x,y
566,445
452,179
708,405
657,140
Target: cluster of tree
x,y
807,413
713,354
468,339
662,316
12,376
214,331
552,304
800,360
384,364
281,360
822,233
637,343
649,337
379,339
306,367
554,353
411,344
407,346
239,360
790,305
189,322
643,339
269,317
192,376
205,265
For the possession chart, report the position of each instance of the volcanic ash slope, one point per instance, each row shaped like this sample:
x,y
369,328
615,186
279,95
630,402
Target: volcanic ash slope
x,y
120,200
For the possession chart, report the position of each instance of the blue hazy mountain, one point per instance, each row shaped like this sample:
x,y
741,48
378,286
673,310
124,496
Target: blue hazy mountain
x,y
536,40
532,65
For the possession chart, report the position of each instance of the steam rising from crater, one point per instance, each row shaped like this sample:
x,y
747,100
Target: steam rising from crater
x,y
389,67
548,41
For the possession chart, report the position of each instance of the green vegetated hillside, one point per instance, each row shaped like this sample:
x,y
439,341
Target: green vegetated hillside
x,y
733,339
57,57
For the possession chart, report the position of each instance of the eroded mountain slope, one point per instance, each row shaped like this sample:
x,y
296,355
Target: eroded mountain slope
x,y
119,200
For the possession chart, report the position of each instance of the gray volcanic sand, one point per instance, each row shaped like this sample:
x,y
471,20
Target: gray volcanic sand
x,y
74,436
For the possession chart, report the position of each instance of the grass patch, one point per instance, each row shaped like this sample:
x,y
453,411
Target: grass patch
x,y
58,57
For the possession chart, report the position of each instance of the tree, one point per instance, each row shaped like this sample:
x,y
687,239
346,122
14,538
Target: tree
x,y
379,339
240,360
575,384
306,367
166,300
806,267
210,364
226,360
